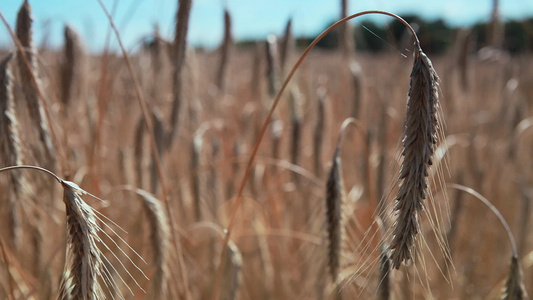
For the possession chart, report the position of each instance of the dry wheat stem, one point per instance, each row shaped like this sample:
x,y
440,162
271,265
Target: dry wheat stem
x,y
179,52
28,70
335,197
271,70
418,147
71,66
160,241
319,131
153,144
286,45
10,148
253,154
224,51
514,286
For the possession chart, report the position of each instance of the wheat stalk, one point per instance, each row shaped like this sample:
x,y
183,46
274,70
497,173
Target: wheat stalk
x,y
335,196
318,133
418,147
159,135
271,70
84,258
267,122
71,67
28,70
10,148
357,78
296,128
286,45
346,40
178,55
224,51
196,149
514,286
160,241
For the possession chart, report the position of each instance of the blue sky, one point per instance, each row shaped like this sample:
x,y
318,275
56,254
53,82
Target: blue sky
x,y
251,18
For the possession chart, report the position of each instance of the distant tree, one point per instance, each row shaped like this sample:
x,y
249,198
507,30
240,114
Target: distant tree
x,y
515,40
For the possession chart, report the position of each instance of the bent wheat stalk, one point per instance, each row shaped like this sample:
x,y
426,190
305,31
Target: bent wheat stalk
x,y
255,149
85,266
514,286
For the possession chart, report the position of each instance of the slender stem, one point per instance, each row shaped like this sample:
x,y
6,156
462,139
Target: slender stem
x,y
11,295
239,197
60,147
362,130
493,209
34,168
155,153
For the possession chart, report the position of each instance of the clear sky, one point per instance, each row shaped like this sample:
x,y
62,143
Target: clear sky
x,y
251,18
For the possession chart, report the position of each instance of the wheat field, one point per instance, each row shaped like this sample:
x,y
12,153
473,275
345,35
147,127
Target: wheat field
x,y
376,176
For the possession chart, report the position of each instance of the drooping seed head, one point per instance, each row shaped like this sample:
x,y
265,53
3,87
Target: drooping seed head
x,y
419,143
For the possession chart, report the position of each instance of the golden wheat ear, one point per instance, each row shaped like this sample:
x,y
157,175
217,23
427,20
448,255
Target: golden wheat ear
x,y
83,261
86,268
87,271
420,139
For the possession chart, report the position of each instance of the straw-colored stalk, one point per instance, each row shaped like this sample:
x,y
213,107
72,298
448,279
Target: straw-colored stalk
x,y
10,149
224,52
37,115
418,146
160,241
357,78
296,128
138,152
271,70
496,30
71,67
159,135
335,197
318,132
196,150
286,46
346,40
178,55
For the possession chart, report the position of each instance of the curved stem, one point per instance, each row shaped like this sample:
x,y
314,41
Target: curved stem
x,y
34,168
157,158
493,209
362,130
239,197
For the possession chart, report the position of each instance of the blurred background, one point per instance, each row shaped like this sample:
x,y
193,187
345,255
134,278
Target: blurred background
x,y
255,19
